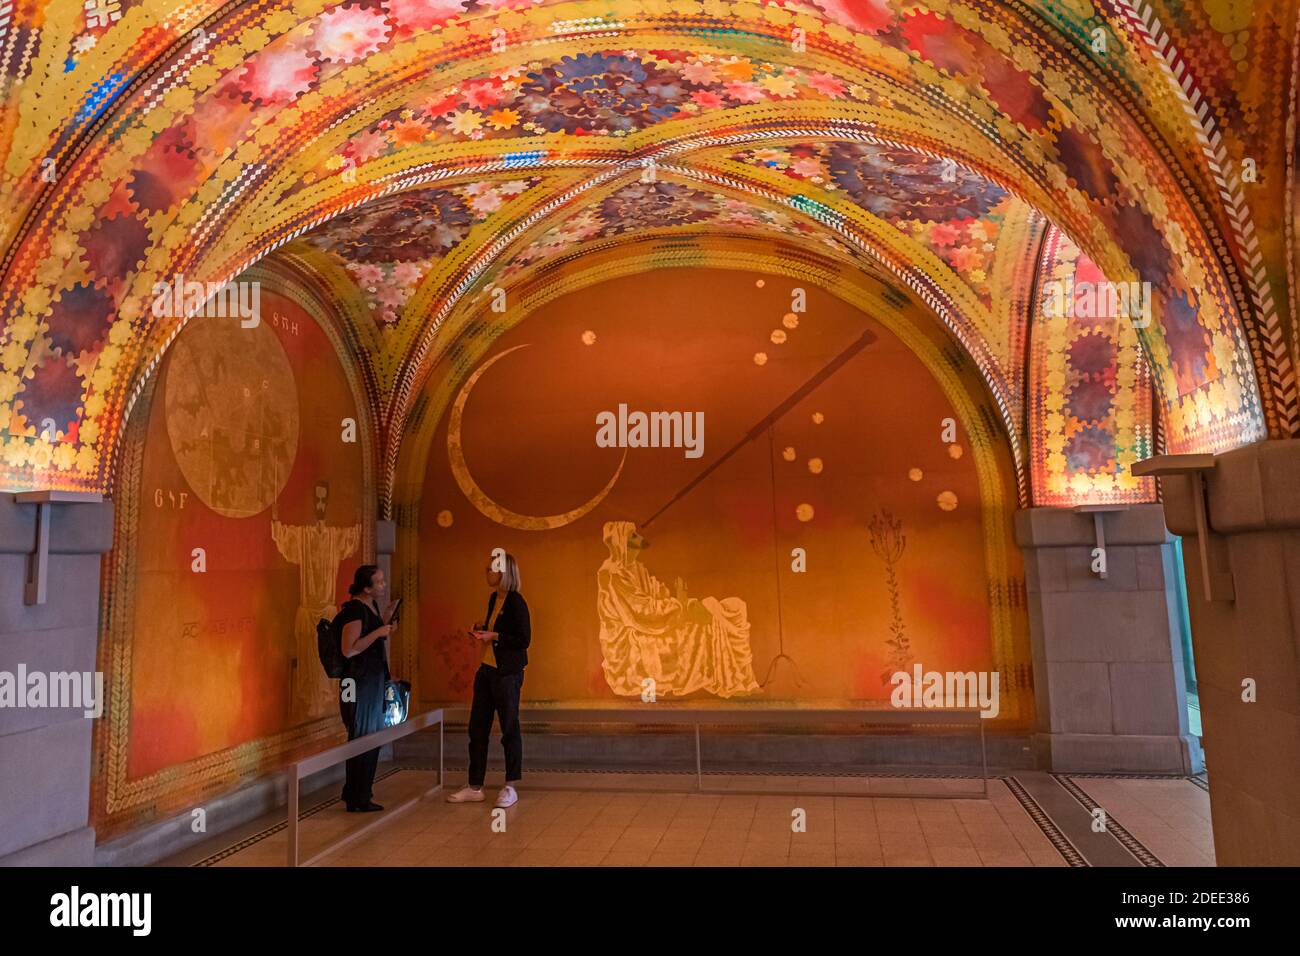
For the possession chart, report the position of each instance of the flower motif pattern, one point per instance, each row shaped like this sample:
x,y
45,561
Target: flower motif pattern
x,y
600,93
951,211
281,71
388,245
640,206
592,94
1090,411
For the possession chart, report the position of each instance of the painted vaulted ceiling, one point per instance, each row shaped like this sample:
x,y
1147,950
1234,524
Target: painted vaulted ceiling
x,y
400,160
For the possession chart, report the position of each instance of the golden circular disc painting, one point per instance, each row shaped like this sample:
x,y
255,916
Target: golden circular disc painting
x,y
232,414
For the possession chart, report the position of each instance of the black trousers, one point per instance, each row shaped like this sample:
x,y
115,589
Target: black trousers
x,y
495,693
365,716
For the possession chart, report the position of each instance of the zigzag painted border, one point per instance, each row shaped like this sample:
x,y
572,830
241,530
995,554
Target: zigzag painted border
x,y
1280,368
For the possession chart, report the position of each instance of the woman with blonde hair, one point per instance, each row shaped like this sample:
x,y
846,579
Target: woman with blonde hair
x,y
503,640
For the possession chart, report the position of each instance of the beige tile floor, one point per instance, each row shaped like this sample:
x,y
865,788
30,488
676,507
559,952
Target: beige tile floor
x,y
1171,818
596,825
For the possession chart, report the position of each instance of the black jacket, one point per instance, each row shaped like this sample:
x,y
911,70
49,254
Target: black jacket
x,y
514,632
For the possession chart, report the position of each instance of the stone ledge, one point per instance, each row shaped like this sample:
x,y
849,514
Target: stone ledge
x,y
1067,528
156,841
82,528
45,783
74,848
1113,753
1254,488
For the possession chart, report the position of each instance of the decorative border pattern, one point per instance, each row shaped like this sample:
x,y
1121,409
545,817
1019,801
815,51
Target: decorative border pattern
x,y
1113,826
1111,438
1060,842
1281,370
272,830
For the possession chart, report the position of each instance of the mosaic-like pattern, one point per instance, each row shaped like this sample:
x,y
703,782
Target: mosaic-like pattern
x,y
388,245
606,94
662,204
952,212
272,121
376,145
1090,411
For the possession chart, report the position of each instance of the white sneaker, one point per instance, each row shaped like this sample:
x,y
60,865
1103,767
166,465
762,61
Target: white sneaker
x,y
466,795
508,796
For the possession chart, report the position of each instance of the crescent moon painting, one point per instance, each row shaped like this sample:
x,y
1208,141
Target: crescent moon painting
x,y
478,498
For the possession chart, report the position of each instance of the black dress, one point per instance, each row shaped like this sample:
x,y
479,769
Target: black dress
x,y
365,714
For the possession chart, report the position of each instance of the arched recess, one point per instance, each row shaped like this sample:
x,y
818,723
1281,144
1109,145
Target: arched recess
x,y
387,245
691,202
208,591
477,328
987,85
318,279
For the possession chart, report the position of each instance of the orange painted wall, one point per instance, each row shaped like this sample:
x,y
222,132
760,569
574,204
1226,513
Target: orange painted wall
x,y
212,652
687,340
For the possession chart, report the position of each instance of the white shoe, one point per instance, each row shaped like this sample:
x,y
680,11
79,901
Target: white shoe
x,y
466,795
508,796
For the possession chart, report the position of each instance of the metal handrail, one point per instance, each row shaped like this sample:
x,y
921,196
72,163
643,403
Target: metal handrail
x,y
296,771
635,712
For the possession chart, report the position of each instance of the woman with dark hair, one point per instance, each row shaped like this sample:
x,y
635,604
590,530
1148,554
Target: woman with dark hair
x,y
502,640
365,635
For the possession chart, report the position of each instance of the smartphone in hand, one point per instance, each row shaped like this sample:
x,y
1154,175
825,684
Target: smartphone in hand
x,y
395,613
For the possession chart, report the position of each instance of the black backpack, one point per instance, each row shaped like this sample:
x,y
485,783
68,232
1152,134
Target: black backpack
x,y
329,646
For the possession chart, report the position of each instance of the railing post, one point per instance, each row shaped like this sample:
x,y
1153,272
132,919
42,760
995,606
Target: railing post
x,y
291,778
699,772
984,757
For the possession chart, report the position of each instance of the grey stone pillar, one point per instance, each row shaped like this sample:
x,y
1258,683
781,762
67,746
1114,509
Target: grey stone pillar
x,y
45,753
385,548
1109,686
1252,748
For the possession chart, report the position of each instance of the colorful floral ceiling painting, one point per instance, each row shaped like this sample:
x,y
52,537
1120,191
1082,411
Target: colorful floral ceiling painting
x,y
664,204
388,245
145,143
602,94
954,213
987,237
1091,409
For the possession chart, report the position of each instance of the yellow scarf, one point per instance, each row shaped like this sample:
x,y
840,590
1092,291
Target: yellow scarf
x,y
487,653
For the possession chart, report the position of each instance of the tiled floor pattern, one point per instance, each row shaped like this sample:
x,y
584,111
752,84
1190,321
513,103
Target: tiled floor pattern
x,y
322,823
894,784
641,819
1169,816
594,826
